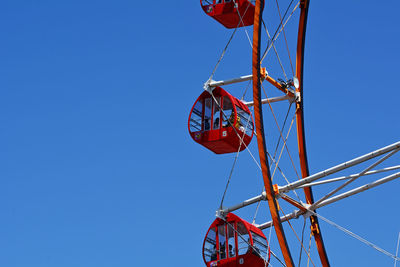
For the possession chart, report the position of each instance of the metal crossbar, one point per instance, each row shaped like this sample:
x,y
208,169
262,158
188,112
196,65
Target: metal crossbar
x,y
328,199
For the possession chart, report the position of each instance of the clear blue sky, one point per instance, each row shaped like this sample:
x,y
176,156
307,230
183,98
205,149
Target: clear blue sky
x,y
97,166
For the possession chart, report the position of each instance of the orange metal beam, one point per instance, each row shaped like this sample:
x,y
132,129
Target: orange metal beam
x,y
293,202
278,85
272,202
300,130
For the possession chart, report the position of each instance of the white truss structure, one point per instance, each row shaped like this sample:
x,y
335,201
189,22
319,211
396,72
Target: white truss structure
x,y
329,198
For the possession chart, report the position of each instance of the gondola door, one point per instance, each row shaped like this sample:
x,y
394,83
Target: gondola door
x,y
243,244
232,244
226,245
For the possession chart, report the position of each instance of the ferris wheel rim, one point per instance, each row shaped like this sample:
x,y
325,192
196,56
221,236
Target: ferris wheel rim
x,y
256,66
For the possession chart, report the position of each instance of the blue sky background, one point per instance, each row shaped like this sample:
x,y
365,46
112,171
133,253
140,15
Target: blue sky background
x,y
97,166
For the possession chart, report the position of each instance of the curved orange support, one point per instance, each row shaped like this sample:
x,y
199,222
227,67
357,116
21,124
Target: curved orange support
x,y
272,202
300,130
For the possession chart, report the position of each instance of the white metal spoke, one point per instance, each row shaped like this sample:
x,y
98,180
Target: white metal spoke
x,y
278,33
276,52
284,34
298,239
241,22
282,149
356,236
280,133
279,158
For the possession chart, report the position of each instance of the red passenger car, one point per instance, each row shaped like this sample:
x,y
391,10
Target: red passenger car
x,y
229,14
222,123
234,242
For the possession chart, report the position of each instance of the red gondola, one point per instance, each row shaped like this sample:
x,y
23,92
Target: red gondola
x,y
222,124
227,12
234,242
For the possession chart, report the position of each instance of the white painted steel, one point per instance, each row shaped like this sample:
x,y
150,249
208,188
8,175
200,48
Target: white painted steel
x,y
339,167
270,100
355,178
359,189
350,176
213,84
263,195
306,181
285,218
331,200
394,148
245,203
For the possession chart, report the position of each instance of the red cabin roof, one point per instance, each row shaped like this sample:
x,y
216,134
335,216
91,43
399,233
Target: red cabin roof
x,y
222,124
226,13
235,242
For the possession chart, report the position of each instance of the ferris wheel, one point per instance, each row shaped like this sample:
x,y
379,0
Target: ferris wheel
x,y
225,120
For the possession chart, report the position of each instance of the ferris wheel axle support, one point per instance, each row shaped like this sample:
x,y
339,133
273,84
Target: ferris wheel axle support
x,y
297,213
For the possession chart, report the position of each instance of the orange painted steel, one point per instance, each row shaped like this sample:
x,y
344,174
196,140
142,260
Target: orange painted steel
x,y
294,203
304,4
272,202
278,85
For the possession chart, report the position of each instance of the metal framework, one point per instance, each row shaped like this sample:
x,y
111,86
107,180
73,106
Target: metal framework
x,y
258,118
270,192
289,93
293,92
304,208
